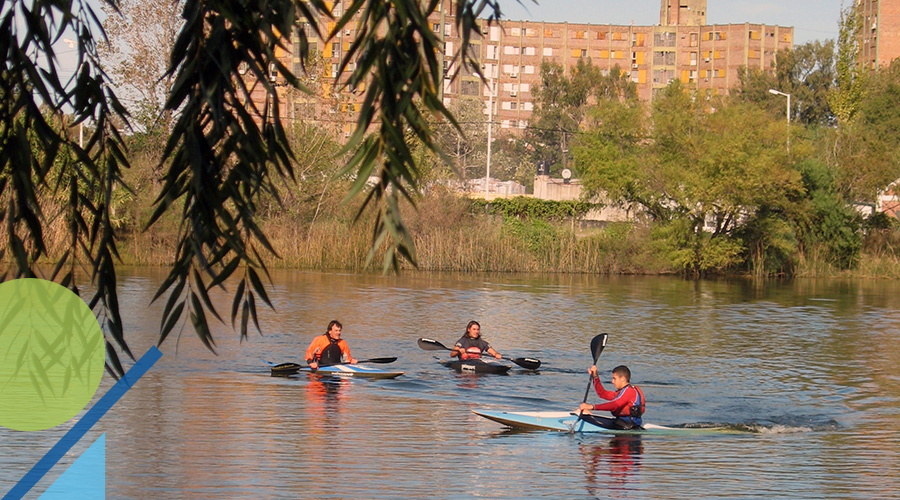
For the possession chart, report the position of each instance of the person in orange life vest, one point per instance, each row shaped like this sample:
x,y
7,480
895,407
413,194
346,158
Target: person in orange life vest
x,y
329,349
626,403
471,345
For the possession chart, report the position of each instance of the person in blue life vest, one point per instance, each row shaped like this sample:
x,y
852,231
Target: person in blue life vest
x,y
626,403
471,345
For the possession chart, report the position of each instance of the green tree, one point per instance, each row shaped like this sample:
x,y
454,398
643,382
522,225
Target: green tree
x,y
560,106
807,73
223,156
844,98
697,169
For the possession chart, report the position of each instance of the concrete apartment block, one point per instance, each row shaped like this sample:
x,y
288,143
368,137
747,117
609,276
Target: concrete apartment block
x,y
706,59
879,33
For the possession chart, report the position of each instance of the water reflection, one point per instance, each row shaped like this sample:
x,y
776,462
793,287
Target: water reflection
x,y
612,467
324,394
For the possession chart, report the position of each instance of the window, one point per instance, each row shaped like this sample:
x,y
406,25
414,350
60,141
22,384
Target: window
x,y
693,58
548,33
579,34
529,70
513,124
510,50
525,87
504,124
601,35
508,68
527,106
515,32
436,27
529,51
530,32
446,29
548,51
513,105
490,52
495,33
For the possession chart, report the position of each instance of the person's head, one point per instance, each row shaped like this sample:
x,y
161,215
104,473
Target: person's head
x,y
621,376
473,329
334,329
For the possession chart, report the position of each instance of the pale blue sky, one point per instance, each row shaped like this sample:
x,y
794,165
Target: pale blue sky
x,y
811,19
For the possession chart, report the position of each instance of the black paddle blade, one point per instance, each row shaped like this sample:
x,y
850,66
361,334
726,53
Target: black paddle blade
x,y
432,345
285,369
528,363
597,345
378,360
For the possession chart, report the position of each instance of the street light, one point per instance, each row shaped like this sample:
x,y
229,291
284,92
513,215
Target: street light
x,y
776,92
487,175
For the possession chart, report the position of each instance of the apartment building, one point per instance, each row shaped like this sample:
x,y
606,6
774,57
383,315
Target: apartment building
x,y
706,58
879,33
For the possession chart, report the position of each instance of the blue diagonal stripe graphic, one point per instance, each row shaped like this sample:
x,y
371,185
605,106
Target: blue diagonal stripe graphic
x,y
82,426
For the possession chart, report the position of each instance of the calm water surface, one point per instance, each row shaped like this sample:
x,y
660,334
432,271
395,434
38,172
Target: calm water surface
x,y
810,369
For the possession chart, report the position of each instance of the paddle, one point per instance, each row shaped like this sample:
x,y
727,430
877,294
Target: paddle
x,y
597,345
434,345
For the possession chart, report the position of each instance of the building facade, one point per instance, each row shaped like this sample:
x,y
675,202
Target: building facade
x,y
706,58
879,32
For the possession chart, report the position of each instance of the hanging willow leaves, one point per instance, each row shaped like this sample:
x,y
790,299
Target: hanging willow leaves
x,y
224,153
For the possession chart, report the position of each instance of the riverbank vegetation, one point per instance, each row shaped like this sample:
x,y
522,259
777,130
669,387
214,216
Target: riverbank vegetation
x,y
715,192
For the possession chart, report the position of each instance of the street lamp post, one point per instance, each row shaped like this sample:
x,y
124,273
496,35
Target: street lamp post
x,y
776,92
487,176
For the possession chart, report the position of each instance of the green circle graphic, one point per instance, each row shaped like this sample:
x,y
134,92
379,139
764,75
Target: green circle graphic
x,y
51,354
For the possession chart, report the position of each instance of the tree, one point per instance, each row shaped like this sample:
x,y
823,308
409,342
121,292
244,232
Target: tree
x,y
848,91
140,38
560,105
697,169
466,142
806,72
222,155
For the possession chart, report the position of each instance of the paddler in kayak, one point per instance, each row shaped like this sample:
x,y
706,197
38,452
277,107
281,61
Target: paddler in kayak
x,y
626,403
329,349
471,345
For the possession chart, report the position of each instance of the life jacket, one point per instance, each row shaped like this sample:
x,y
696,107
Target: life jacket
x,y
637,409
470,353
332,354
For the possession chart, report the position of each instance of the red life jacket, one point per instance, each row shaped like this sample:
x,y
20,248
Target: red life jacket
x,y
470,353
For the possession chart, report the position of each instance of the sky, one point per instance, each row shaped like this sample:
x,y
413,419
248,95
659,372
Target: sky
x,y
811,19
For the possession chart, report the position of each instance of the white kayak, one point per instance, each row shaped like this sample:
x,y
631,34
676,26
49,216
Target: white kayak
x,y
564,421
352,371
358,370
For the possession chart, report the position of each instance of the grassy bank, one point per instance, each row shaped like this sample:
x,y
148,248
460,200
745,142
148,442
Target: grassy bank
x,y
453,234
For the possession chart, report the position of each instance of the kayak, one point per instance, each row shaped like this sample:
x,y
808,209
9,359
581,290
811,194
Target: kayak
x,y
477,366
361,371
563,421
558,421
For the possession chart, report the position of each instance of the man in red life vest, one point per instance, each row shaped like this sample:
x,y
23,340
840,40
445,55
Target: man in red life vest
x,y
626,403
329,349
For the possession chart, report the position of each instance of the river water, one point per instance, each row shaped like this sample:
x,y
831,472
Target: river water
x,y
809,370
